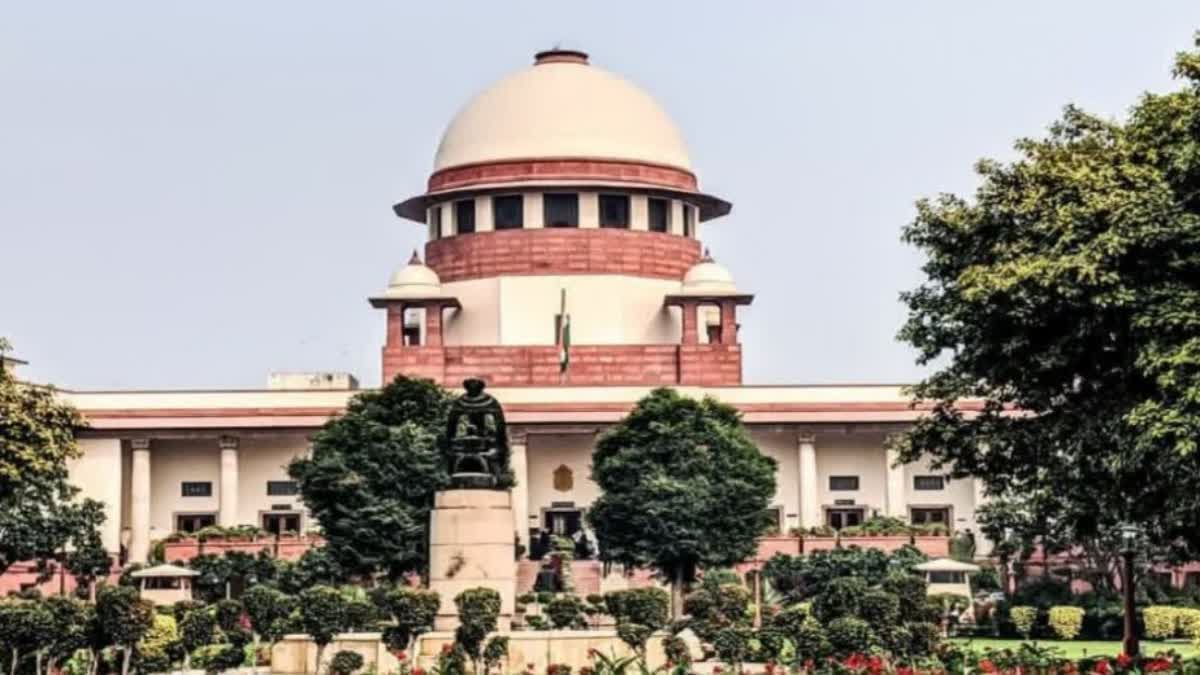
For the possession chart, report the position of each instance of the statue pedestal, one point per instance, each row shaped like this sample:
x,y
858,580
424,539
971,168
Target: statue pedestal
x,y
471,545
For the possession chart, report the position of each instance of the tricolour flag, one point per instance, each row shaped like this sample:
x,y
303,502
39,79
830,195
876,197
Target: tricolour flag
x,y
564,336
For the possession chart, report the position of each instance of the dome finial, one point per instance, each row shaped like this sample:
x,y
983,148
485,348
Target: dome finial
x,y
415,259
707,256
557,54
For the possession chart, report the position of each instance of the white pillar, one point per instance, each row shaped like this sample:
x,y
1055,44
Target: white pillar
x,y
139,501
227,514
519,462
810,500
896,505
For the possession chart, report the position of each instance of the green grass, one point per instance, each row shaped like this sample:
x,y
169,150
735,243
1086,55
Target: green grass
x,y
1076,649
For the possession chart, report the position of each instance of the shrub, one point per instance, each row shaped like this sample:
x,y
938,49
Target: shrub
x,y
157,646
732,644
790,620
910,590
323,615
715,608
1066,621
771,642
676,650
494,652
566,611
812,644
1160,622
1023,617
924,637
478,610
879,609
849,634
839,599
345,662
646,606
896,639
879,526
634,635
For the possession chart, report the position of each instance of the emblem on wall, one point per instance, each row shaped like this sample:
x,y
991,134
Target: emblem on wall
x,y
564,478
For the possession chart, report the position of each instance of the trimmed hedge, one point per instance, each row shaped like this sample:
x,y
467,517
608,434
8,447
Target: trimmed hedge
x,y
1066,622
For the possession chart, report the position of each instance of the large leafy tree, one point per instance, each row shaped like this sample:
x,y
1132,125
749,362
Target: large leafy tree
x,y
682,487
40,512
1066,297
372,475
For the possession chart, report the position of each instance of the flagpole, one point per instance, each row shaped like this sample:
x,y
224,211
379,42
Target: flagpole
x,y
562,336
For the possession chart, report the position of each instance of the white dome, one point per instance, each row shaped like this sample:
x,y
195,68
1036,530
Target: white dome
x,y
562,108
414,280
707,277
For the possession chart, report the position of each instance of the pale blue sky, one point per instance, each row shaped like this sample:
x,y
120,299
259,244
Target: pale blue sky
x,y
193,194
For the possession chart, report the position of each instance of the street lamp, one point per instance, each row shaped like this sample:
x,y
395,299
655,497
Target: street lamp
x,y
1129,545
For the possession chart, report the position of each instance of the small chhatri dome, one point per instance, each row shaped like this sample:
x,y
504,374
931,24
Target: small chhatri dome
x,y
413,280
562,107
708,277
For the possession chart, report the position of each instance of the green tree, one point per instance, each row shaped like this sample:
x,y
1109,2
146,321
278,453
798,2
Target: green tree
x,y
68,630
478,611
682,487
322,615
197,627
412,611
40,513
1069,288
267,608
125,618
375,470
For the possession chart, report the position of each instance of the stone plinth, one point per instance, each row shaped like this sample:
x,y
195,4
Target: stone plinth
x,y
471,545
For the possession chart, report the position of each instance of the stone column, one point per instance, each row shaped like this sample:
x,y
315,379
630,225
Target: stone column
x,y
897,506
228,505
518,444
139,501
728,322
810,499
433,324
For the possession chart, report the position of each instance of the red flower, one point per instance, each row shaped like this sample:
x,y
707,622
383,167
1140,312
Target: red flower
x,y
400,655
716,669
1158,665
905,670
1123,660
446,648
1101,667
418,671
987,666
875,665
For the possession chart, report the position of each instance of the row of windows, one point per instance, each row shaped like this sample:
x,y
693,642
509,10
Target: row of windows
x,y
561,209
850,483
838,517
275,488
275,522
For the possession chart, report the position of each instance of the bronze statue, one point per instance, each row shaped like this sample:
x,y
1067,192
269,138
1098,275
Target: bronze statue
x,y
477,440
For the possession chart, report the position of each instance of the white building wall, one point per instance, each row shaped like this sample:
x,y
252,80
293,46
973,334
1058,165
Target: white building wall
x,y
261,460
780,445
958,494
98,475
548,452
173,461
859,455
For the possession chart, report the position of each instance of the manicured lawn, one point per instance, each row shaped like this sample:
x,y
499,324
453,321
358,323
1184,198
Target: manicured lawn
x,y
1079,648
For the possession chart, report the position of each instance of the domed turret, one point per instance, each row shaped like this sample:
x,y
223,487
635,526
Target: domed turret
x,y
708,278
415,279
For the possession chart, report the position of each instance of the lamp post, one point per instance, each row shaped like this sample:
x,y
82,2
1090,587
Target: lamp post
x,y
1129,541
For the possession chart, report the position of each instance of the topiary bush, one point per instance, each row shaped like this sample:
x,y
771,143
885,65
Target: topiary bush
x,y
732,644
345,662
1024,618
911,591
812,643
879,609
839,599
634,634
412,611
1066,622
646,606
849,634
924,638
715,607
478,611
790,619
566,611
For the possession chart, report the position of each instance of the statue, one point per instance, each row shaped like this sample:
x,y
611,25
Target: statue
x,y
477,440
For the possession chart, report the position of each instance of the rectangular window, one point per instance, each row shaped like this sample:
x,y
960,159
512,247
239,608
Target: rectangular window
x,y
614,210
946,578
282,488
929,482
508,212
278,523
464,216
688,214
194,522
196,489
660,215
561,209
843,483
934,516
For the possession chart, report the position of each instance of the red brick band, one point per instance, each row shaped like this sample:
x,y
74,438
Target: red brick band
x,y
591,365
562,251
517,171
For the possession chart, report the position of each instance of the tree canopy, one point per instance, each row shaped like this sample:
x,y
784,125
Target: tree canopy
x,y
40,513
1066,297
372,475
682,487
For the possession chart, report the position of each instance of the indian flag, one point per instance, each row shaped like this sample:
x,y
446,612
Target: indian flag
x,y
564,336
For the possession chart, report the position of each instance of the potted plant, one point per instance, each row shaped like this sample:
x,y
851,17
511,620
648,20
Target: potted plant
x,y
882,532
819,538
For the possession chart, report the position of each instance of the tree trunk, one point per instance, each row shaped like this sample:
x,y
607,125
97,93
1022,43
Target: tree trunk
x,y
12,667
187,661
320,652
254,658
126,656
1129,644
677,594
